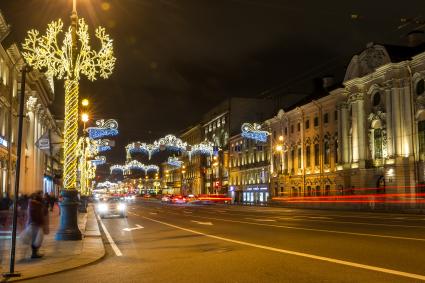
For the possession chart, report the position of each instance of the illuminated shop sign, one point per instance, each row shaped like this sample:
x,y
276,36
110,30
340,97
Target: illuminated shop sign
x,y
257,189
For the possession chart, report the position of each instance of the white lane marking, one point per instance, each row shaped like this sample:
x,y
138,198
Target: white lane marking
x,y
319,217
153,213
311,256
316,230
189,212
261,219
351,222
132,213
135,228
110,240
202,223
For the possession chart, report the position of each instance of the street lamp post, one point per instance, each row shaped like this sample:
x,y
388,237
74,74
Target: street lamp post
x,y
69,61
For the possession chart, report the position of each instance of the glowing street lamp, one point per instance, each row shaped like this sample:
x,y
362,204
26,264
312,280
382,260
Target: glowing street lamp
x,y
85,117
85,102
69,60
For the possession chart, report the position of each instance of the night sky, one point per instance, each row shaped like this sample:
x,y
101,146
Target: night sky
x,y
178,58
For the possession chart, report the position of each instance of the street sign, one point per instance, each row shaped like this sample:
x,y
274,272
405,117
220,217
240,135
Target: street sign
x,y
43,143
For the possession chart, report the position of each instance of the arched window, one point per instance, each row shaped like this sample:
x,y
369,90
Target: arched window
x,y
421,139
316,154
420,87
308,155
376,99
327,152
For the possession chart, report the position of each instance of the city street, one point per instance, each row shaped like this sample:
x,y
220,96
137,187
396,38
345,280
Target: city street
x,y
217,243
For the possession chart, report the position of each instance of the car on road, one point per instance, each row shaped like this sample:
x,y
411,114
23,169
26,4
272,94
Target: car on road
x,y
113,206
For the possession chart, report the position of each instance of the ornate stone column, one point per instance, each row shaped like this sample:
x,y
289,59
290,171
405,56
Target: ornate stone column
x,y
407,118
358,126
389,121
396,117
343,132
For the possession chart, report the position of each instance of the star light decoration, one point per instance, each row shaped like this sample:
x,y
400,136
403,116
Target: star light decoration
x,y
69,60
104,129
254,132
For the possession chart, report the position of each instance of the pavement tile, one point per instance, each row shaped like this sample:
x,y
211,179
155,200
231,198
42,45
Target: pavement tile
x,y
58,255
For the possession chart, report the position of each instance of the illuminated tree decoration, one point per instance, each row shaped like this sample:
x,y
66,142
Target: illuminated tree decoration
x,y
68,61
254,132
104,129
174,161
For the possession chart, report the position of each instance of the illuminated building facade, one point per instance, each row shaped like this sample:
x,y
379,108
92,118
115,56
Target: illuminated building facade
x,y
40,168
193,174
249,166
367,136
222,122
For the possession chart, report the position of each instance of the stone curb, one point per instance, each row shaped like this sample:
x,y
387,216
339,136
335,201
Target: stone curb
x,y
92,251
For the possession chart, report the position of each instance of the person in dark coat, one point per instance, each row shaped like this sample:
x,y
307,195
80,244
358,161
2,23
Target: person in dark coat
x,y
35,222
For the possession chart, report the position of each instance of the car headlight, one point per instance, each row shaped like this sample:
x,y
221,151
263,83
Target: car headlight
x,y
103,207
121,206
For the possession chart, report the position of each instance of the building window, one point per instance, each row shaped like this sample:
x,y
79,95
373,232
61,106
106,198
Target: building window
x,y
316,121
327,152
420,87
421,137
299,157
292,129
307,124
308,155
299,127
286,131
326,118
292,159
376,99
336,152
316,154
336,115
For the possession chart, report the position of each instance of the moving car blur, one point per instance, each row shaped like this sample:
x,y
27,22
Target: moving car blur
x,y
112,206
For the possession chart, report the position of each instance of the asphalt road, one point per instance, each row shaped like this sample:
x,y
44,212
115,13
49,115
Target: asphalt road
x,y
175,243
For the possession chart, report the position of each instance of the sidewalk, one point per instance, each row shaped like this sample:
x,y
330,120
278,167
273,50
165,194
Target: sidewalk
x,y
58,255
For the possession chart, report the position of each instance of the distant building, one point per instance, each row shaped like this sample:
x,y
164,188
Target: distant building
x,y
222,122
367,136
249,166
193,173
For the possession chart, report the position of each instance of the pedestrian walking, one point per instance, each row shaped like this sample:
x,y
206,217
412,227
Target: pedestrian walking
x,y
52,201
33,233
